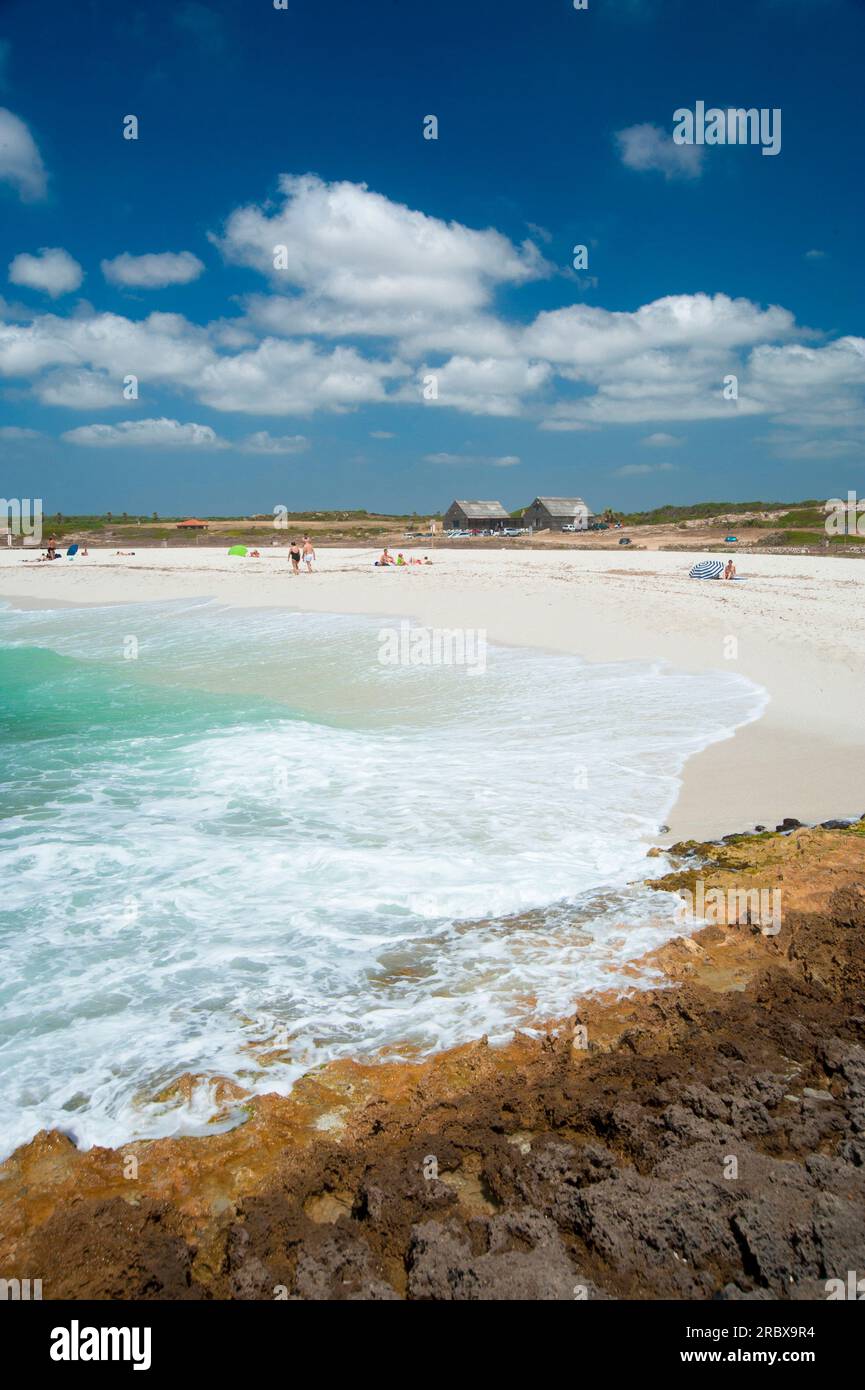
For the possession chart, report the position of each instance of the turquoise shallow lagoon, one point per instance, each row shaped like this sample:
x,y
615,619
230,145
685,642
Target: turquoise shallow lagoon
x,y
225,828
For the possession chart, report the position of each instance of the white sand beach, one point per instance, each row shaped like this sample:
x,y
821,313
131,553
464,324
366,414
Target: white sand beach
x,y
795,624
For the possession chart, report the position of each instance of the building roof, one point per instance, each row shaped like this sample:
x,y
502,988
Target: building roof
x,y
193,521
483,510
563,506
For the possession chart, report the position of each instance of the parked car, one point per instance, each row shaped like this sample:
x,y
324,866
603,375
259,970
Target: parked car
x,y
598,526
730,540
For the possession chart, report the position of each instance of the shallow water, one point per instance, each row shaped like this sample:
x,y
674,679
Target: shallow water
x,y
224,829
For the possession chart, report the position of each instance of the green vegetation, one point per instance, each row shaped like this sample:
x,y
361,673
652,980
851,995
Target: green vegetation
x,y
792,524
812,538
695,511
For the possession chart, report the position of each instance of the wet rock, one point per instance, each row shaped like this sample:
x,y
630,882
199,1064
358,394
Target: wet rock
x,y
522,1257
339,1266
733,1291
115,1250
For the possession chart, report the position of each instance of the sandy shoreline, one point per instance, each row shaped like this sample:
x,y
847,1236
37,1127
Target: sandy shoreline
x,y
794,628
590,1157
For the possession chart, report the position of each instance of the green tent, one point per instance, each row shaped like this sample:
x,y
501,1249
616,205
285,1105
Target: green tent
x,y
237,550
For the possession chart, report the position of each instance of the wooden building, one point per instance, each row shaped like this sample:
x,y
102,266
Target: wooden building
x,y
554,513
477,516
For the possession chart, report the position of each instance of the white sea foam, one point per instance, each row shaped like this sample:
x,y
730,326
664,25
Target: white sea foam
x,y
299,844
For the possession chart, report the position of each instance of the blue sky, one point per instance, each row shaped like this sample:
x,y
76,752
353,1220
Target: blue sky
x,y
407,258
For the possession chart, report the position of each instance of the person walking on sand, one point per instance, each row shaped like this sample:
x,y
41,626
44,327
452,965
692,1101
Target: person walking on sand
x,y
294,557
308,554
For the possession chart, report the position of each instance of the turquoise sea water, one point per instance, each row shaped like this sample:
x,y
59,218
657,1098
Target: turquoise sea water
x,y
228,830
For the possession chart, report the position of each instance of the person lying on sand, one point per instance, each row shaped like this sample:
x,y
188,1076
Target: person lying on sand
x,y
124,552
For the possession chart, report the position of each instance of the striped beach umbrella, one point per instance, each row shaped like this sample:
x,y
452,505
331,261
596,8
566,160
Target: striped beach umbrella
x,y
706,569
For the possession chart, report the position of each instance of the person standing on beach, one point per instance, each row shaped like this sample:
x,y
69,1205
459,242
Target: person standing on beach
x,y
294,557
308,554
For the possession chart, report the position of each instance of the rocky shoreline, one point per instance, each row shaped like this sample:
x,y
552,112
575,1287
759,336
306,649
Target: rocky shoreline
x,y
701,1140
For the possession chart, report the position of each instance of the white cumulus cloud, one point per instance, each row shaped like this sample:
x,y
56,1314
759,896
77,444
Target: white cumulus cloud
x,y
356,248
17,432
492,461
649,147
480,386
152,271
662,441
638,470
165,434
76,388
52,270
20,161
288,378
263,443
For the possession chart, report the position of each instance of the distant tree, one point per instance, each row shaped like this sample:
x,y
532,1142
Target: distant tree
x,y
155,516
108,516
125,517
59,516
